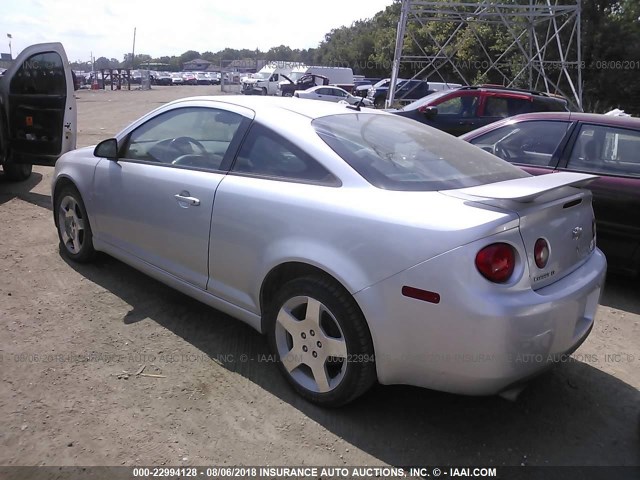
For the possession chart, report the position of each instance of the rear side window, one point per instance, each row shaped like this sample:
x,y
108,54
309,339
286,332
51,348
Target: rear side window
x,y
265,153
608,150
504,106
396,153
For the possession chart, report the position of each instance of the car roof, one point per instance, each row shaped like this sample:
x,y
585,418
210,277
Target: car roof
x,y
512,90
612,120
311,109
335,87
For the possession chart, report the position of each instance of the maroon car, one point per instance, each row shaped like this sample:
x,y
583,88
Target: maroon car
x,y
608,146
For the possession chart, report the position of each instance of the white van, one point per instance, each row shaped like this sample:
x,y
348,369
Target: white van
x,y
266,81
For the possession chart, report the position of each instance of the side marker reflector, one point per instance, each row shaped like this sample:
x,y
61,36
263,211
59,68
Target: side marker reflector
x,y
418,294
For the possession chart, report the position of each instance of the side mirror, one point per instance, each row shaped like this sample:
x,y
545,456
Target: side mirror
x,y
430,112
107,148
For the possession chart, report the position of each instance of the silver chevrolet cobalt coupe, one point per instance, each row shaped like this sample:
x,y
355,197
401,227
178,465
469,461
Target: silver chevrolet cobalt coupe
x,y
366,246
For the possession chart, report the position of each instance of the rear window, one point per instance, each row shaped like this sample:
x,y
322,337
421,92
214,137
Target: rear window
x,y
550,105
396,153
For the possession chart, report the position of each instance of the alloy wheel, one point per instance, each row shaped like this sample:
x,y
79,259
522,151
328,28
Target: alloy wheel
x,y
311,344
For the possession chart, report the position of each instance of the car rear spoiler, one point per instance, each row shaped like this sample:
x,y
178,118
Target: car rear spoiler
x,y
529,188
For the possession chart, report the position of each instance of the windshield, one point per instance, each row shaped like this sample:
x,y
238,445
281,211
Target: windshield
x,y
396,153
425,100
381,83
262,75
294,76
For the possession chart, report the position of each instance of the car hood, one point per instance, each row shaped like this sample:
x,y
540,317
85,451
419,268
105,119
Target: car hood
x,y
82,152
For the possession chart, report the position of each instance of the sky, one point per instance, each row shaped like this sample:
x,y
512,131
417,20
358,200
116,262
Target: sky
x,y
105,28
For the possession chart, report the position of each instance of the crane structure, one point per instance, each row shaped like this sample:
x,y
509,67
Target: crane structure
x,y
543,35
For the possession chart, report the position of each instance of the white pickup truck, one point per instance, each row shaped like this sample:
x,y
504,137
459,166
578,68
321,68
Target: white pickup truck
x,y
266,81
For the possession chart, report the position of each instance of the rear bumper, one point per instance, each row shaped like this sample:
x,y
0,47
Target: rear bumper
x,y
475,341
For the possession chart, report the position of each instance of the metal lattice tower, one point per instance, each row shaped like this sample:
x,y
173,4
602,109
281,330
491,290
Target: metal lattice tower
x,y
543,35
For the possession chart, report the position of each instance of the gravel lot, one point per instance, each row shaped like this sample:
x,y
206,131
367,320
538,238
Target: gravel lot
x,y
68,333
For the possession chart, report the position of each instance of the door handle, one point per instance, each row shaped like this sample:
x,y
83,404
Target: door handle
x,y
185,198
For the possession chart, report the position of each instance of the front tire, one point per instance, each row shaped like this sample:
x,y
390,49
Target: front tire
x,y
17,172
74,229
321,341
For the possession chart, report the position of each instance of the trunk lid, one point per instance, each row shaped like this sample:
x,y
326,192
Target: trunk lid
x,y
550,207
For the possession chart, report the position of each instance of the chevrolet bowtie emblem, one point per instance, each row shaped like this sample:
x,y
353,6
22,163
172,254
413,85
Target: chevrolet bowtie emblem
x,y
576,233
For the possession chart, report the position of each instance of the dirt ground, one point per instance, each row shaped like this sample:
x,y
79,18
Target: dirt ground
x,y
68,333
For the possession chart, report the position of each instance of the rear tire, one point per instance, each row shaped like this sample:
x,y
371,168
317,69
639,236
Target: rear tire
x,y
321,341
17,172
72,223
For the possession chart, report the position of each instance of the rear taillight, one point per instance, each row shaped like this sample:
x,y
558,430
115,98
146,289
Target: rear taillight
x,y
541,253
496,262
422,109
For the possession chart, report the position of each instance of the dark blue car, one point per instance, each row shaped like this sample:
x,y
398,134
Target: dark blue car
x,y
406,90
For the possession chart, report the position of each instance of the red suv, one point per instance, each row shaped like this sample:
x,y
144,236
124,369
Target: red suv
x,y
464,109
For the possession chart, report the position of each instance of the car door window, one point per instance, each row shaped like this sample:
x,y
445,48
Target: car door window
x,y
186,137
265,153
602,149
530,143
462,106
40,74
323,91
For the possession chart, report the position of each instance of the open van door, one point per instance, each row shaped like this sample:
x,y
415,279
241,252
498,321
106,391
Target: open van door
x,y
37,110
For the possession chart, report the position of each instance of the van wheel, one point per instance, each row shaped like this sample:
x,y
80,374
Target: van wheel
x,y
379,103
264,91
321,341
17,172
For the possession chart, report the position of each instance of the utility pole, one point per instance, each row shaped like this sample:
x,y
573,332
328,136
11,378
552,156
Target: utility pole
x,y
402,25
133,49
10,52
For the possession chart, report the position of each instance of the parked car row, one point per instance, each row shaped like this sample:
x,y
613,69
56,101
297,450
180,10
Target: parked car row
x,y
186,78
156,78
